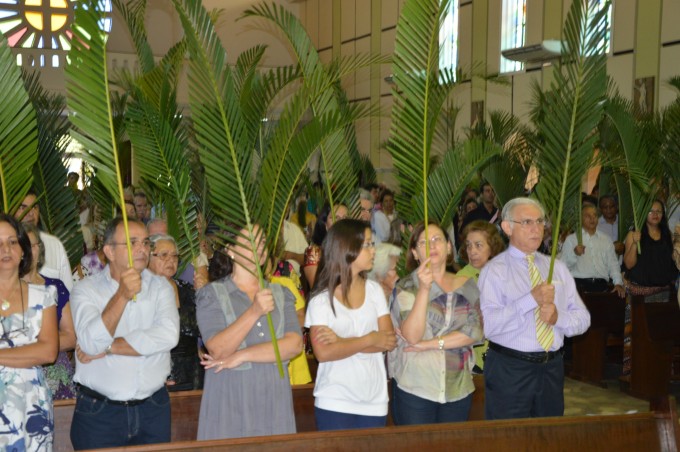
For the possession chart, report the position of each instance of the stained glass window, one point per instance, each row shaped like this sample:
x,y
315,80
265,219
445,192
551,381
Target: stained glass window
x,y
43,25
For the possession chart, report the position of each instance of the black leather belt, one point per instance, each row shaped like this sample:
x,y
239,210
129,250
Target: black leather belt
x,y
101,397
532,357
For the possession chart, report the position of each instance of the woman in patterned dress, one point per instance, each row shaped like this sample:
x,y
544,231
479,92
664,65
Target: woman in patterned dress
x,y
28,339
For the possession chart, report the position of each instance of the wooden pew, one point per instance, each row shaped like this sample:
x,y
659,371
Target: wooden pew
x,y
607,312
650,431
656,329
186,406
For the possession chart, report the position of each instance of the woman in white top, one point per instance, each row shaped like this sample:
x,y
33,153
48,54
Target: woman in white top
x,y
350,329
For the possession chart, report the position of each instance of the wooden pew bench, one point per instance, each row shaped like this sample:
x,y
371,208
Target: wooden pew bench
x,y
607,312
186,406
650,431
656,330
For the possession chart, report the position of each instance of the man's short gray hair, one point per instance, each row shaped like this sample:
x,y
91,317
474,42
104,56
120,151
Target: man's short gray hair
x,y
381,262
510,206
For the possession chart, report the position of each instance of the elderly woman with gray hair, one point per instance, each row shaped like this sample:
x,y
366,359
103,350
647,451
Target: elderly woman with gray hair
x,y
384,269
187,372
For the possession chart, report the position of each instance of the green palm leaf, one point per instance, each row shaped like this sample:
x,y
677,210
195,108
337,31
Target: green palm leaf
x,y
447,182
18,133
90,105
338,162
638,162
223,134
59,207
420,100
569,114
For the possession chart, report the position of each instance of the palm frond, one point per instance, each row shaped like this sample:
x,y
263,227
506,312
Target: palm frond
x,y
133,13
90,105
59,207
448,180
420,99
569,114
18,133
338,166
640,167
224,136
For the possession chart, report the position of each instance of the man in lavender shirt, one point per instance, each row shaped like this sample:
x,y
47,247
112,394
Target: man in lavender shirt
x,y
523,380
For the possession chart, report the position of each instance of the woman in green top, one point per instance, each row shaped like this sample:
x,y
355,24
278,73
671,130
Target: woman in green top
x,y
481,242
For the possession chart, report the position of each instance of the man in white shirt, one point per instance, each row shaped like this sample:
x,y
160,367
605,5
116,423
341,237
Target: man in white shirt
x,y
126,321
594,262
56,260
609,221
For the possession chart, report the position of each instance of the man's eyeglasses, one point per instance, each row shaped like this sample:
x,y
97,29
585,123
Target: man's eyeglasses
x,y
528,222
146,243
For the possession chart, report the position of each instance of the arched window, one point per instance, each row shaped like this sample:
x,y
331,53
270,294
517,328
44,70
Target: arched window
x,y
40,30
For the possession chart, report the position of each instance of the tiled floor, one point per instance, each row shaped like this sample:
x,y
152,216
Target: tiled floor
x,y
586,399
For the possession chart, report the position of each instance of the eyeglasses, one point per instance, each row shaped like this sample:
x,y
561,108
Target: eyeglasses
x,y
655,212
166,256
368,245
434,241
528,222
146,243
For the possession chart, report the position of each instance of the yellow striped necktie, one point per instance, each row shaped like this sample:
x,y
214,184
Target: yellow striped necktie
x,y
544,332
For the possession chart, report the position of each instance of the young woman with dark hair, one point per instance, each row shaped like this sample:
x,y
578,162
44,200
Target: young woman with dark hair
x,y
350,328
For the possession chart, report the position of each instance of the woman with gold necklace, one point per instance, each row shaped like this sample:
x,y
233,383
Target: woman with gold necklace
x,y
28,339
60,374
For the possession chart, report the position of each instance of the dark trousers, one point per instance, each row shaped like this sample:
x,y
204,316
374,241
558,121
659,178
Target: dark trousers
x,y
592,284
409,409
334,420
519,389
99,423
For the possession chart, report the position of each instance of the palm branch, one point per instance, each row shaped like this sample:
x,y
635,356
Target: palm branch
x,y
639,163
89,102
418,102
18,133
59,206
569,114
336,156
158,133
223,135
447,182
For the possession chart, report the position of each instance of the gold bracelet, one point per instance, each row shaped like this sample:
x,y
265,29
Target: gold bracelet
x,y
440,342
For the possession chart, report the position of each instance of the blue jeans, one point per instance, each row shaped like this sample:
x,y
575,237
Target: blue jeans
x,y
98,423
409,409
333,420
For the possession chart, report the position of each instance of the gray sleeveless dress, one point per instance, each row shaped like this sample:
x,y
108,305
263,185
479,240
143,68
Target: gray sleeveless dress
x,y
251,400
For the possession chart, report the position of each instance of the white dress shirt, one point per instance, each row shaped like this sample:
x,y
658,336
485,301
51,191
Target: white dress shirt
x,y
598,260
150,325
56,260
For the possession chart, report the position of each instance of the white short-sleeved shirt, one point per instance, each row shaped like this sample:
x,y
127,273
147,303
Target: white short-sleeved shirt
x,y
356,384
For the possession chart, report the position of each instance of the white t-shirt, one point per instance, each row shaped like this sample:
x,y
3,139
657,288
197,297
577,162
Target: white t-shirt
x,y
358,383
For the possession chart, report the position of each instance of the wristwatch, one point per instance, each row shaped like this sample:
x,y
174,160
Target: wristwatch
x,y
107,350
440,342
